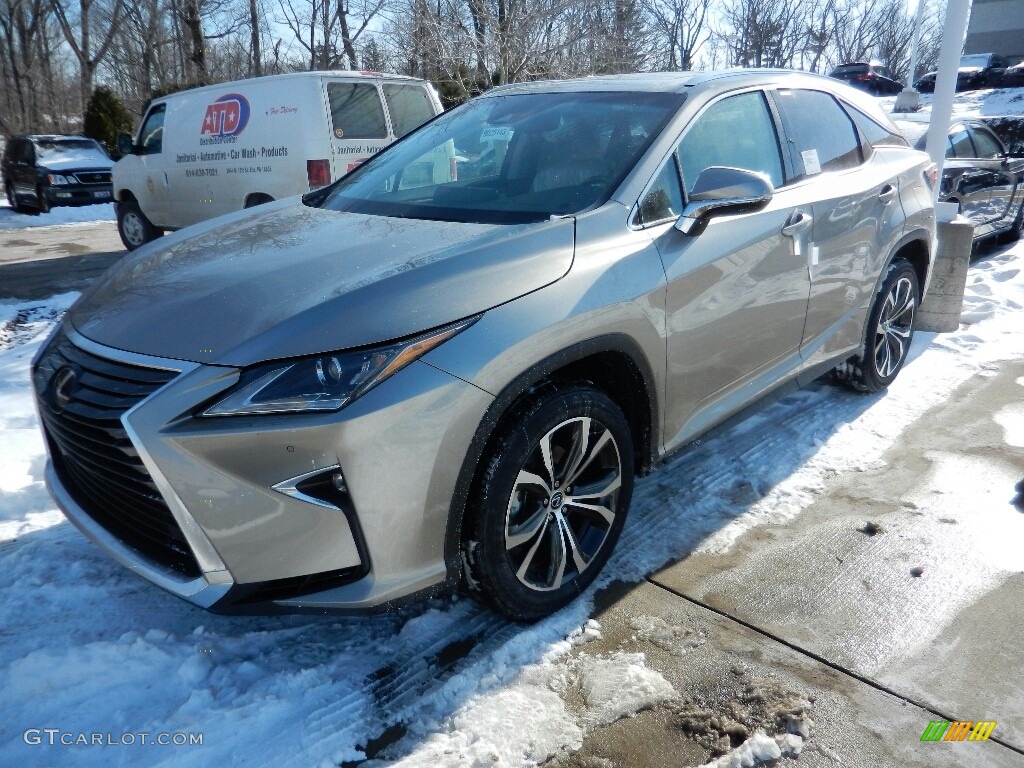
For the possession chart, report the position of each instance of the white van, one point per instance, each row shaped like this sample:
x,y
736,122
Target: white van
x,y
220,148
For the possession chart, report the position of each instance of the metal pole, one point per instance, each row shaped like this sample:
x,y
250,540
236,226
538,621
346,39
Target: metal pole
x,y
919,21
953,35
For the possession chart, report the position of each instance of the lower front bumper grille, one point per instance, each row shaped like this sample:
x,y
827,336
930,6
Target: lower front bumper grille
x,y
93,456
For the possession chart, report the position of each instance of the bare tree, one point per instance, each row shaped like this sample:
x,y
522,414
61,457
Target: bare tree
x,y
80,35
680,28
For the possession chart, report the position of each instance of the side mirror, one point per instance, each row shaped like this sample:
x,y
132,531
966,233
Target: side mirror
x,y
720,190
125,145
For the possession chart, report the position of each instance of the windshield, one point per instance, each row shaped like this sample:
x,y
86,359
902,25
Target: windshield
x,y
979,60
510,159
59,148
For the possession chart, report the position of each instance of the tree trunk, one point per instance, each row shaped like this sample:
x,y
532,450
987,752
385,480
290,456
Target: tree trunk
x,y
254,45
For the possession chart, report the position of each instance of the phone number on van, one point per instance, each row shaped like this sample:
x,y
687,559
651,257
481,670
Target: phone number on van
x,y
193,172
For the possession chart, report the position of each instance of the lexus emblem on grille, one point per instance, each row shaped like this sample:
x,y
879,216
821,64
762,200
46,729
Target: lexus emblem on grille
x,y
63,383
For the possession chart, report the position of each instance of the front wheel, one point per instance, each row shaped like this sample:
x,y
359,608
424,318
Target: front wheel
x,y
550,503
133,226
889,333
41,202
12,199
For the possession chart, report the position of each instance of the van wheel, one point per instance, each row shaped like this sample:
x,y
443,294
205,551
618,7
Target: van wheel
x,y
133,226
550,504
889,333
258,199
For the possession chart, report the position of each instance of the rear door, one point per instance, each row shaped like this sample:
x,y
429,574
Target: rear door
x,y
358,126
856,214
971,184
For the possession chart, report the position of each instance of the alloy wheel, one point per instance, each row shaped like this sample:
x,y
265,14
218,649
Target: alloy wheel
x,y
563,502
895,328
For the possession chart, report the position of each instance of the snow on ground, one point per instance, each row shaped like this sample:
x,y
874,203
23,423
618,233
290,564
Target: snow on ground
x,y
88,647
62,215
988,102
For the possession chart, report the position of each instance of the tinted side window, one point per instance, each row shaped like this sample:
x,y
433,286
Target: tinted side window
x,y
985,144
664,200
409,107
737,132
960,144
151,137
822,132
356,111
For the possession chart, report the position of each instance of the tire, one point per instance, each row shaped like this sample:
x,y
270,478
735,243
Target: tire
x,y
42,204
259,199
1012,235
889,333
532,544
133,226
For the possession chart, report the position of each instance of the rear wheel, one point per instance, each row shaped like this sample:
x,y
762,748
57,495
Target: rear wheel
x,y
12,199
889,333
133,226
550,504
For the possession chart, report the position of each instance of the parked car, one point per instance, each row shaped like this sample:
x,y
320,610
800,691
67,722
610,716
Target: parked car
x,y
871,76
1013,77
980,175
44,171
977,70
209,151
399,382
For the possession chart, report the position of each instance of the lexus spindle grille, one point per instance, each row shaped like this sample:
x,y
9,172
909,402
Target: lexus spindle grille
x,y
81,400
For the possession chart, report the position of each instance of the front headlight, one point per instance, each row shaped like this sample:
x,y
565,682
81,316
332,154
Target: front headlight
x,y
56,178
325,382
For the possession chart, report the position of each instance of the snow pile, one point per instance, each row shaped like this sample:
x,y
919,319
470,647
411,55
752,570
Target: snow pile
x,y
58,216
676,640
619,686
759,749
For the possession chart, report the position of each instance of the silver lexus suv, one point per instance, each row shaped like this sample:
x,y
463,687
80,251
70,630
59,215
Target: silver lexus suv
x,y
448,367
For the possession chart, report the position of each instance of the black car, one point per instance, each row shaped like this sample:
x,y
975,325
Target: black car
x,y
980,175
40,172
977,70
870,76
1013,77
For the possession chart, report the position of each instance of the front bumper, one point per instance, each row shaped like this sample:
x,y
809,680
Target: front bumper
x,y
80,194
258,548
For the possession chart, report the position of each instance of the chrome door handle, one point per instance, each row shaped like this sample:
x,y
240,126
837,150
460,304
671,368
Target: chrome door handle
x,y
888,193
798,222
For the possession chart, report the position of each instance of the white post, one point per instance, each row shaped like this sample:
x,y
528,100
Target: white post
x,y
953,35
909,100
918,22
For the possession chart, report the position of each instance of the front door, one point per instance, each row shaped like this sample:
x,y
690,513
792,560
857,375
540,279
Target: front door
x,y
737,292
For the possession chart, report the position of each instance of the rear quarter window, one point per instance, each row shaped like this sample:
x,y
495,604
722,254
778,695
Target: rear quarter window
x,y
876,134
409,107
356,111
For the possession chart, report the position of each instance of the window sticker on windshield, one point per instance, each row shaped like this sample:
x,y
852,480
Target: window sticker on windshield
x,y
496,133
811,164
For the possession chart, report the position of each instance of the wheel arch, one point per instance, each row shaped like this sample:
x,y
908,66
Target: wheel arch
x,y
613,364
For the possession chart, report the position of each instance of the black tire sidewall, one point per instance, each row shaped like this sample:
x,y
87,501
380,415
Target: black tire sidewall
x,y
486,510
872,380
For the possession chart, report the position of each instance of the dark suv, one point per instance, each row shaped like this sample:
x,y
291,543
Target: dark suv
x,y
976,70
43,171
870,76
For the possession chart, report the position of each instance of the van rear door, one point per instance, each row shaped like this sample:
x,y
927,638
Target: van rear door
x,y
358,126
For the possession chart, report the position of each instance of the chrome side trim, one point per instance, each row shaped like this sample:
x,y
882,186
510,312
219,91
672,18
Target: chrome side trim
x,y
209,561
202,591
287,487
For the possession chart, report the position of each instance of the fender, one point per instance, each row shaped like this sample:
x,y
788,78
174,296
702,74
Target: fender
x,y
522,386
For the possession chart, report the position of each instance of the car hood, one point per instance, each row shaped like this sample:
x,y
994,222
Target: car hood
x,y
285,279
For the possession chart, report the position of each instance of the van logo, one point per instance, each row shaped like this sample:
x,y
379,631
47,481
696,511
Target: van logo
x,y
227,116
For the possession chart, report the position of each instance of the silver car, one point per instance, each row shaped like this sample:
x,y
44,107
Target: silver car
x,y
448,367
